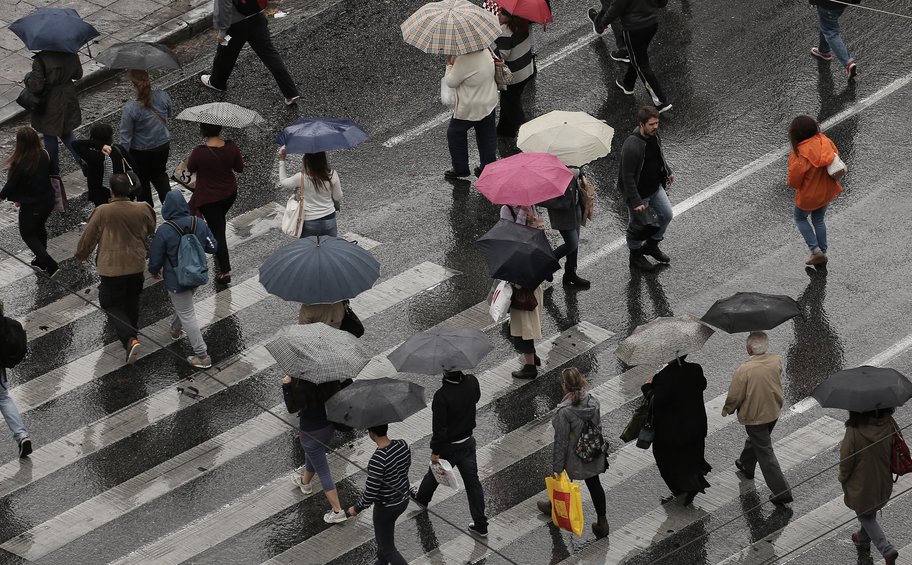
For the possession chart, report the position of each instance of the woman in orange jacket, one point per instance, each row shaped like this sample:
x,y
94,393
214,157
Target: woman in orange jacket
x,y
812,152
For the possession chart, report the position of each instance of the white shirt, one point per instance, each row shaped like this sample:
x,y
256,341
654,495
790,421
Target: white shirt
x,y
472,75
317,203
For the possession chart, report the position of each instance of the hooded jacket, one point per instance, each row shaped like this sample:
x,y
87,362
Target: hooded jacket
x,y
634,14
807,174
864,468
163,253
568,423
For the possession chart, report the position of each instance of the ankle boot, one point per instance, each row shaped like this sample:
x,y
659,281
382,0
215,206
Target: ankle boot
x,y
527,372
572,279
544,506
600,528
651,248
639,261
537,361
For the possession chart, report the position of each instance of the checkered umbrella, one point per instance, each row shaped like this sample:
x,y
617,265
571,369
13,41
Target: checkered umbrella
x,y
318,353
451,27
222,114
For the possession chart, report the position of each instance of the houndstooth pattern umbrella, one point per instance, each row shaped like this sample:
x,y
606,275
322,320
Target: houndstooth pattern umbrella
x,y
222,114
318,353
663,340
451,27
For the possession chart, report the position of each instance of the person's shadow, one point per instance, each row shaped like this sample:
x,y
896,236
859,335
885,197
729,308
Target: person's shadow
x,y
816,352
571,303
761,526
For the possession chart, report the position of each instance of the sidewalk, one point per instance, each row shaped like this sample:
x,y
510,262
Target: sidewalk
x,y
117,20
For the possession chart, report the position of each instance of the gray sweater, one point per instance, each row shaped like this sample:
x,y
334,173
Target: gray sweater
x,y
568,423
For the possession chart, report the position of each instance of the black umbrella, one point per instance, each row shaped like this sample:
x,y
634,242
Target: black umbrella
x,y
864,389
441,349
518,254
374,402
751,312
138,55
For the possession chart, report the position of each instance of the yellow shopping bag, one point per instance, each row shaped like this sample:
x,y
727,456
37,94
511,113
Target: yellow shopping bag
x,y
566,503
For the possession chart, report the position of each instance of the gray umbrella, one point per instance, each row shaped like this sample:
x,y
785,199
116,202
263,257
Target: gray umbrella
x,y
222,114
663,340
138,55
318,353
441,349
375,402
864,389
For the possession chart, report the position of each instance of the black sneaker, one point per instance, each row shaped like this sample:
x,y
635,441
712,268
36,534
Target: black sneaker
x,y
639,261
480,531
452,175
593,15
652,249
576,281
620,56
25,447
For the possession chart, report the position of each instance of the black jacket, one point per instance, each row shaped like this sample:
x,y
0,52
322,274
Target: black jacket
x,y
679,413
568,213
633,154
634,14
30,187
453,410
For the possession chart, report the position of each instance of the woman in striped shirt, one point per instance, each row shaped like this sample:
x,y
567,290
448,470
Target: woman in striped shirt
x,y
514,46
387,488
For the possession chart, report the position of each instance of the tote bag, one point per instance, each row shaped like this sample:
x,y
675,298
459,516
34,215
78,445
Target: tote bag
x,y
443,473
566,503
447,94
293,218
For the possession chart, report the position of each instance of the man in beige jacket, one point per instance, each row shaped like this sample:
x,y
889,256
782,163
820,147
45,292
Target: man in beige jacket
x,y
120,230
756,394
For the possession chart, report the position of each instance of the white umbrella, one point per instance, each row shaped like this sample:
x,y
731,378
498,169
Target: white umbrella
x,y
222,114
576,138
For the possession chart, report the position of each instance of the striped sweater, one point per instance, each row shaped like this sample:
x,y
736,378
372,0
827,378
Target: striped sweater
x,y
516,51
387,476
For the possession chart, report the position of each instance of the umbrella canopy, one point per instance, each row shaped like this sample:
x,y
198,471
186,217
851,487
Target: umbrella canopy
x,y
138,55
451,27
576,138
663,340
441,349
518,254
524,179
375,402
53,29
864,389
751,311
319,270
318,353
532,10
222,114
313,135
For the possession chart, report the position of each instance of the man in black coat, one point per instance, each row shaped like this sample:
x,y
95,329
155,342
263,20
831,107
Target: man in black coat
x,y
453,411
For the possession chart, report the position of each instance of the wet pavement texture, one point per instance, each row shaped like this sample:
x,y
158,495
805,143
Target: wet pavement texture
x,y
737,74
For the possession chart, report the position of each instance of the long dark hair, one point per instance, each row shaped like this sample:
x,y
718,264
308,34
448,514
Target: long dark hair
x,y
317,168
517,24
802,128
27,151
860,418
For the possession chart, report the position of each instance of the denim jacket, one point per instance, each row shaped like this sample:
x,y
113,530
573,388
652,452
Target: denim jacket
x,y
143,129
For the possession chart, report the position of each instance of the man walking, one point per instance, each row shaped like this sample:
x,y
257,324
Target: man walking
x,y
643,177
120,230
453,411
239,22
756,394
639,23
13,342
830,41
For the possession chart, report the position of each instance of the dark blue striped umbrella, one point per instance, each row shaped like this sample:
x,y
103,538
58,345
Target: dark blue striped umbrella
x,y
53,29
313,135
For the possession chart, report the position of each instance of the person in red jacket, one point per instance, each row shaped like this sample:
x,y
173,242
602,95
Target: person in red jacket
x,y
812,152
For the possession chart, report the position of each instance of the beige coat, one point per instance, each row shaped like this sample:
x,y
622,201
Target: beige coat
x,y
864,469
329,314
756,391
121,230
527,324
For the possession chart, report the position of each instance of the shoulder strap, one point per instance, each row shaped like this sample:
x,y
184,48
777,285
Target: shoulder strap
x,y
177,228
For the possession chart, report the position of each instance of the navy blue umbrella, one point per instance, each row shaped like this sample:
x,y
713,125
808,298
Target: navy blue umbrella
x,y
319,270
313,135
54,29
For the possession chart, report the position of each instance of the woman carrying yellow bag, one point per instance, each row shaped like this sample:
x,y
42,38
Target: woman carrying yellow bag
x,y
578,415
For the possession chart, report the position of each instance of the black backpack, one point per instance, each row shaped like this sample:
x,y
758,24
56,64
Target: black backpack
x,y
249,7
13,342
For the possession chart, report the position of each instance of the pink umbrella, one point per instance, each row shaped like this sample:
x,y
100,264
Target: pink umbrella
x,y
532,10
524,179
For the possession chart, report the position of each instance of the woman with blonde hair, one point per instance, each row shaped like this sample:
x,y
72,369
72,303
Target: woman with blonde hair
x,y
144,132
322,192
577,409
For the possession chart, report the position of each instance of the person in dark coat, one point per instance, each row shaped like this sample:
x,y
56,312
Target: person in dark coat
x,y
679,421
565,213
52,78
95,153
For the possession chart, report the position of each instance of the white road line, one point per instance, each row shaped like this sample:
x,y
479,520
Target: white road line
x,y
632,538
279,494
83,442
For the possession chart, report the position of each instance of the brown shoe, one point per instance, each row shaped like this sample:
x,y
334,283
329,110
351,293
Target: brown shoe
x,y
544,506
817,258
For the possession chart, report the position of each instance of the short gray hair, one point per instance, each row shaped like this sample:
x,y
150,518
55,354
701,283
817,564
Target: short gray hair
x,y
758,342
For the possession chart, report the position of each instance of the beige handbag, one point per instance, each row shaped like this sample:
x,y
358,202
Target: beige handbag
x,y
293,219
837,169
503,76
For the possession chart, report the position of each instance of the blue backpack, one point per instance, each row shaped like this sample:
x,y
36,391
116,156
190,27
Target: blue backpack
x,y
192,267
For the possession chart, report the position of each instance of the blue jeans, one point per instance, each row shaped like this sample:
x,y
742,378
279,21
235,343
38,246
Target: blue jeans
x,y
815,236
10,411
314,444
50,143
662,206
830,40
458,142
320,226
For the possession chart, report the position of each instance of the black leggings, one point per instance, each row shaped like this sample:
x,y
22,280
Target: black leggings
x,y
597,493
32,220
215,213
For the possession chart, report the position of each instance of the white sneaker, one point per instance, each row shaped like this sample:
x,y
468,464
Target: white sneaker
x,y
299,481
333,517
206,79
200,362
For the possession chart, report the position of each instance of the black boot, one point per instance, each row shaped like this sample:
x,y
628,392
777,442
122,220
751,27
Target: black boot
x,y
639,261
527,372
651,248
572,279
537,361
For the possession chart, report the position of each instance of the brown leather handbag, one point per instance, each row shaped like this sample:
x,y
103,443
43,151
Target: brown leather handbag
x,y
523,299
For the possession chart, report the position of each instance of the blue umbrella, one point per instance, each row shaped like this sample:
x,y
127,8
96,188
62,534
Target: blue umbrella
x,y
313,135
319,270
54,29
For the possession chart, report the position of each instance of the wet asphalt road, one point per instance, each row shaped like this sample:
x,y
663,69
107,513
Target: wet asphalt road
x,y
736,74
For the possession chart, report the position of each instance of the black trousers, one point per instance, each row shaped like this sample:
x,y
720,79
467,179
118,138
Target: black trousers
x,y
597,493
463,457
385,532
255,31
511,110
215,214
637,48
32,228
151,168
119,296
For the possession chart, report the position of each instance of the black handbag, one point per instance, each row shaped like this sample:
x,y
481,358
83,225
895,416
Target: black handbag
x,y
351,323
645,224
34,103
640,416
